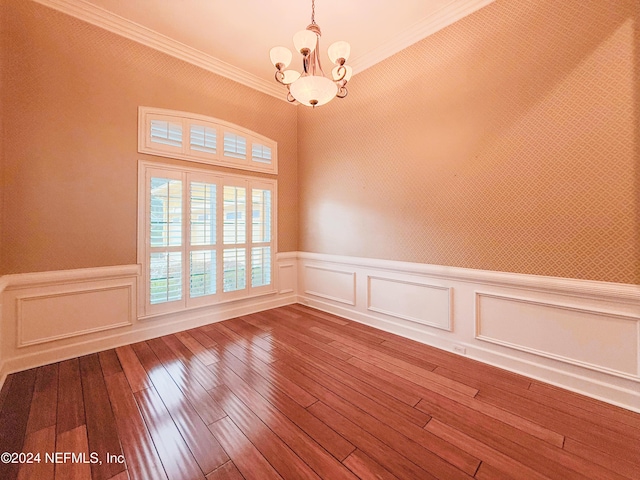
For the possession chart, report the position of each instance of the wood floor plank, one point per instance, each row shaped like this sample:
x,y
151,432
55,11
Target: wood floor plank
x,y
483,451
39,443
140,454
45,399
366,468
121,476
420,375
205,340
227,338
489,472
453,455
374,401
133,370
141,457
14,418
306,311
326,437
244,352
174,453
590,404
228,471
525,425
278,454
384,425
109,362
376,449
244,455
75,442
4,391
206,450
377,402
101,426
455,362
325,465
194,392
190,362
597,436
70,412
299,339
516,444
608,461
206,356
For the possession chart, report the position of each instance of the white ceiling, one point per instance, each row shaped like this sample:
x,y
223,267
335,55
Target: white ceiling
x,y
233,37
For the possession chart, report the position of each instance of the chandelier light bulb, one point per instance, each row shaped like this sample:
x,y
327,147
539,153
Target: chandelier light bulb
x,y
290,76
339,52
280,55
305,40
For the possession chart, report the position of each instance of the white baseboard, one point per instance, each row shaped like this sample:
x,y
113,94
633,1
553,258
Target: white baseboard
x,y
577,334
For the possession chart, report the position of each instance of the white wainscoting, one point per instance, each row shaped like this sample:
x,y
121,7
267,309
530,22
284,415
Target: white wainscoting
x,y
414,301
329,283
51,316
588,337
577,334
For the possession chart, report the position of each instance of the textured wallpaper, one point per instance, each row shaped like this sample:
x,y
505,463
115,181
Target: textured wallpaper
x,y
508,141
71,93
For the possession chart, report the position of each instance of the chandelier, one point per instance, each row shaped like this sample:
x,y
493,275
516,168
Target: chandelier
x,y
312,87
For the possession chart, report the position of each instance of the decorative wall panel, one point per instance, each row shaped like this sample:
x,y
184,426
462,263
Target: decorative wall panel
x,y
413,301
596,339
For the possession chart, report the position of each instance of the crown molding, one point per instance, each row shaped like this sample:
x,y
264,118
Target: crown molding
x,y
87,12
444,17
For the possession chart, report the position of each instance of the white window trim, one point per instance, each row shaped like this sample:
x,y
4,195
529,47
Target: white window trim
x,y
184,152
145,308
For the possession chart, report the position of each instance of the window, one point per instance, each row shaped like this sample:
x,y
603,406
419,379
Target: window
x,y
205,237
163,132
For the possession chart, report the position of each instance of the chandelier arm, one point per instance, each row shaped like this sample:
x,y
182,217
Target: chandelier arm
x,y
342,92
280,77
342,72
290,97
317,52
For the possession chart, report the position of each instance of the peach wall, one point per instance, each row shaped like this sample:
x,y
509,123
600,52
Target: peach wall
x,y
71,96
507,141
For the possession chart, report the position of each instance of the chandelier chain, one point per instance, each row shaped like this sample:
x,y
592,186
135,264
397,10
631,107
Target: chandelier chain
x,y
313,12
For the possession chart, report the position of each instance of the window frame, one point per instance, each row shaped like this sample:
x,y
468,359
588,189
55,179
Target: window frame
x,y
184,152
187,175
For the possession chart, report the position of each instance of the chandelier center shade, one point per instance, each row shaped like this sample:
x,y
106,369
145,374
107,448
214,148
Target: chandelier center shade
x,y
312,87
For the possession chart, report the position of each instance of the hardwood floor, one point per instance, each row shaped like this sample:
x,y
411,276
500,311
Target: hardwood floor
x,y
295,393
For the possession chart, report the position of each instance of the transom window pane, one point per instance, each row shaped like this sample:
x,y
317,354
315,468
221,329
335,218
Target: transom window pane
x,y
235,207
202,273
234,269
260,153
166,212
235,146
165,275
203,139
203,213
261,215
166,133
